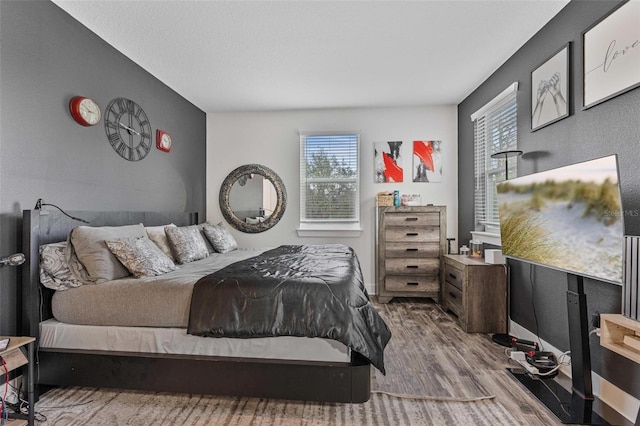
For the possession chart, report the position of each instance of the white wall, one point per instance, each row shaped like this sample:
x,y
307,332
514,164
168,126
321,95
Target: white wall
x,y
271,139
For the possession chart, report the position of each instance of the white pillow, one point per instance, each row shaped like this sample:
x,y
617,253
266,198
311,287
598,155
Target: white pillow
x,y
159,236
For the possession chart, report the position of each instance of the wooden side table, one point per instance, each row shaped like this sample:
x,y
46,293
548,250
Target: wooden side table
x,y
14,358
477,293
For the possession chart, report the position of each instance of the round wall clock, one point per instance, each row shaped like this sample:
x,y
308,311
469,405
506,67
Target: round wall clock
x,y
163,140
128,129
85,111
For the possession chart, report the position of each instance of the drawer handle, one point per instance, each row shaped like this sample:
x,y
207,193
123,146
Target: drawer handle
x,y
412,249
413,283
411,234
452,276
411,219
413,266
453,296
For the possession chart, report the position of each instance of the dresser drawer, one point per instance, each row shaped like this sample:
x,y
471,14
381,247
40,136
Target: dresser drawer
x,y
409,250
409,283
412,219
416,266
428,234
453,276
453,298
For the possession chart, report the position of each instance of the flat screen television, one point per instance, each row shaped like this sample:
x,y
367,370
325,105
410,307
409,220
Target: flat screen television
x,y
569,218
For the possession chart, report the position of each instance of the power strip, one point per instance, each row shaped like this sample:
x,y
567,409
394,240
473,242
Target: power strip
x,y
12,397
521,358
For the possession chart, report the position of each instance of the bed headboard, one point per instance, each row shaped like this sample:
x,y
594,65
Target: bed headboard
x,y
49,226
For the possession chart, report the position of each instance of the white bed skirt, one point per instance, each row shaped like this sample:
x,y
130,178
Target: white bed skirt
x,y
58,335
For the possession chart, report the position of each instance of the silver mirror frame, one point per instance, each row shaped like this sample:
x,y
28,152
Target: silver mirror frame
x,y
228,213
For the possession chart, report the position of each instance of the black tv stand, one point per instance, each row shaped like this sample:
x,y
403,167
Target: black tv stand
x,y
575,406
568,407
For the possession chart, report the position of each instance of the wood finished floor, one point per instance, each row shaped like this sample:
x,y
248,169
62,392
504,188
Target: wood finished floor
x,y
429,355
449,361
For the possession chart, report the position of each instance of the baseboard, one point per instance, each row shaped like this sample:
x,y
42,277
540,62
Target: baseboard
x,y
371,288
625,404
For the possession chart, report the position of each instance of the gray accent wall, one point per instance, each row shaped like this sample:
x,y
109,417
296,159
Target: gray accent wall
x,y
46,58
538,294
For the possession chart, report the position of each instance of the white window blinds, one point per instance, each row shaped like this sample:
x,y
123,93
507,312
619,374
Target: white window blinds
x,y
329,177
495,129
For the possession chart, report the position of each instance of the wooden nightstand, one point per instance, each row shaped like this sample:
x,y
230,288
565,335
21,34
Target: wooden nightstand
x,y
477,293
14,358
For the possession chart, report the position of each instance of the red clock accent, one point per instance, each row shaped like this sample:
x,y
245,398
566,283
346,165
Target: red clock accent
x,y
85,111
163,140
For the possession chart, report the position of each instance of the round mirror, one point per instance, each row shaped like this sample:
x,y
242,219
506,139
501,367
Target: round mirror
x,y
253,198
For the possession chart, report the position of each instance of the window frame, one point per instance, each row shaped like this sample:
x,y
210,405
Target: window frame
x,y
309,227
487,121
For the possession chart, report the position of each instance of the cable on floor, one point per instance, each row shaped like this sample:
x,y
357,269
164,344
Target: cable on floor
x,y
55,407
435,398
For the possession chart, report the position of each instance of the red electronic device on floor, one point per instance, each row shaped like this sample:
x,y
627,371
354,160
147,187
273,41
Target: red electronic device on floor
x,y
524,345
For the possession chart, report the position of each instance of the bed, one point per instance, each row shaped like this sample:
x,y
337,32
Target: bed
x,y
102,352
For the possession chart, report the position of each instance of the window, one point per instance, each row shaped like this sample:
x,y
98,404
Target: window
x,y
329,182
495,129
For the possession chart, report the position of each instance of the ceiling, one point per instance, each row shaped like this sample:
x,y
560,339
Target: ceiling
x,y
280,55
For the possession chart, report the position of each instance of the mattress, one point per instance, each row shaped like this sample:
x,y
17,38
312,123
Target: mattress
x,y
161,301
171,340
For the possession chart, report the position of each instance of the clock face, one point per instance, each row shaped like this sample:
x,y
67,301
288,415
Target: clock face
x,y
85,111
128,129
163,140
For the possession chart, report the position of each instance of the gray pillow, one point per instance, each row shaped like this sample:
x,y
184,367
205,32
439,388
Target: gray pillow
x,y
187,243
92,251
220,237
75,266
141,256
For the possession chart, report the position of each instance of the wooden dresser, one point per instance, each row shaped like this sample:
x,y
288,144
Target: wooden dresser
x,y
410,243
477,293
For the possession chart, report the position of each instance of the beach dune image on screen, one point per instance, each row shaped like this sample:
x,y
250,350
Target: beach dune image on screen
x,y
569,218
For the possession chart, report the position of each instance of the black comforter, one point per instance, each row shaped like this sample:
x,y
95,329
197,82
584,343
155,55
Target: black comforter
x,y
308,290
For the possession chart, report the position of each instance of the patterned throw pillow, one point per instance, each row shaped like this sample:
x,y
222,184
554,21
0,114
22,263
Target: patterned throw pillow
x,y
220,237
54,268
141,256
187,243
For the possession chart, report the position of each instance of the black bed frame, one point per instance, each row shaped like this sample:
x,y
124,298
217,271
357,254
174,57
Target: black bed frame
x,y
250,377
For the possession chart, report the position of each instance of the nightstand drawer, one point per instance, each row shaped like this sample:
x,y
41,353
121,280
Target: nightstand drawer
x,y
409,283
413,219
453,298
404,249
429,234
416,266
453,276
